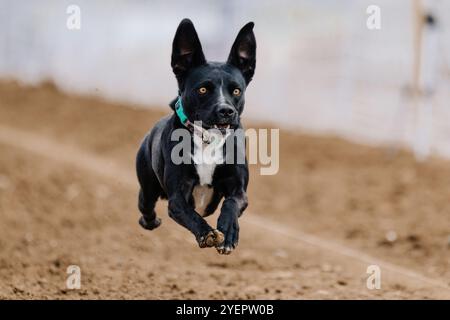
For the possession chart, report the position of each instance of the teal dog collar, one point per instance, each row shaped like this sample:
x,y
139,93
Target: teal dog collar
x,y
180,111
204,135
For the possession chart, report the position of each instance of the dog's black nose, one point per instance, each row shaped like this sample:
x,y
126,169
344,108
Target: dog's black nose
x,y
225,112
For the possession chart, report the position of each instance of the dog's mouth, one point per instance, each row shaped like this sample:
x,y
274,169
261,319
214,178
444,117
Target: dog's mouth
x,y
222,127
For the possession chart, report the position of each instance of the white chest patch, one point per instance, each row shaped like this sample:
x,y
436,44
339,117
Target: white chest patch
x,y
207,156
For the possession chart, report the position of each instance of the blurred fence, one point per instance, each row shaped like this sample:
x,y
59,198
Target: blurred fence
x,y
318,69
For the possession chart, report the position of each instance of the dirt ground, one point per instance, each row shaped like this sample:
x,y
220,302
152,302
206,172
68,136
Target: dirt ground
x,y
68,197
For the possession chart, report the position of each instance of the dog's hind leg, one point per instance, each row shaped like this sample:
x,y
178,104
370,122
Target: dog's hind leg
x,y
146,205
148,195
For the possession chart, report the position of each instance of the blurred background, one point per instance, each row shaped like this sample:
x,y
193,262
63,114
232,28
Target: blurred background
x,y
319,67
75,104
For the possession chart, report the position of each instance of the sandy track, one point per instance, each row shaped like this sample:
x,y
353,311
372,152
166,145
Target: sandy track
x,y
120,260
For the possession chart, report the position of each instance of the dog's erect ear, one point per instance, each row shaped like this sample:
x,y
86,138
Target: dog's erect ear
x,y
243,52
186,49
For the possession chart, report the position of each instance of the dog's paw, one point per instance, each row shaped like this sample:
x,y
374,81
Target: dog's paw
x,y
212,239
149,225
231,240
222,249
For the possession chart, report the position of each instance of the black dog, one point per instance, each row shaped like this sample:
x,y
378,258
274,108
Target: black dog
x,y
212,93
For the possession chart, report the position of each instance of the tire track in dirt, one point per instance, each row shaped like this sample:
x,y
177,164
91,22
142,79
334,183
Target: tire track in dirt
x,y
111,171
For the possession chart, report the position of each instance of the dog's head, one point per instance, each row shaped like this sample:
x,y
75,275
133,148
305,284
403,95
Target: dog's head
x,y
213,92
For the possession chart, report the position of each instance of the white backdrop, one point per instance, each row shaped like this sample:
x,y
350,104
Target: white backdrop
x,y
318,69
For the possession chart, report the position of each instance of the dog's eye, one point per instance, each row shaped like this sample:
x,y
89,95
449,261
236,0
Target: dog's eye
x,y
237,92
202,90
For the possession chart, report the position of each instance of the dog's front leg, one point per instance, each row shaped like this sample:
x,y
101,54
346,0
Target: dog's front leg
x,y
232,208
184,214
